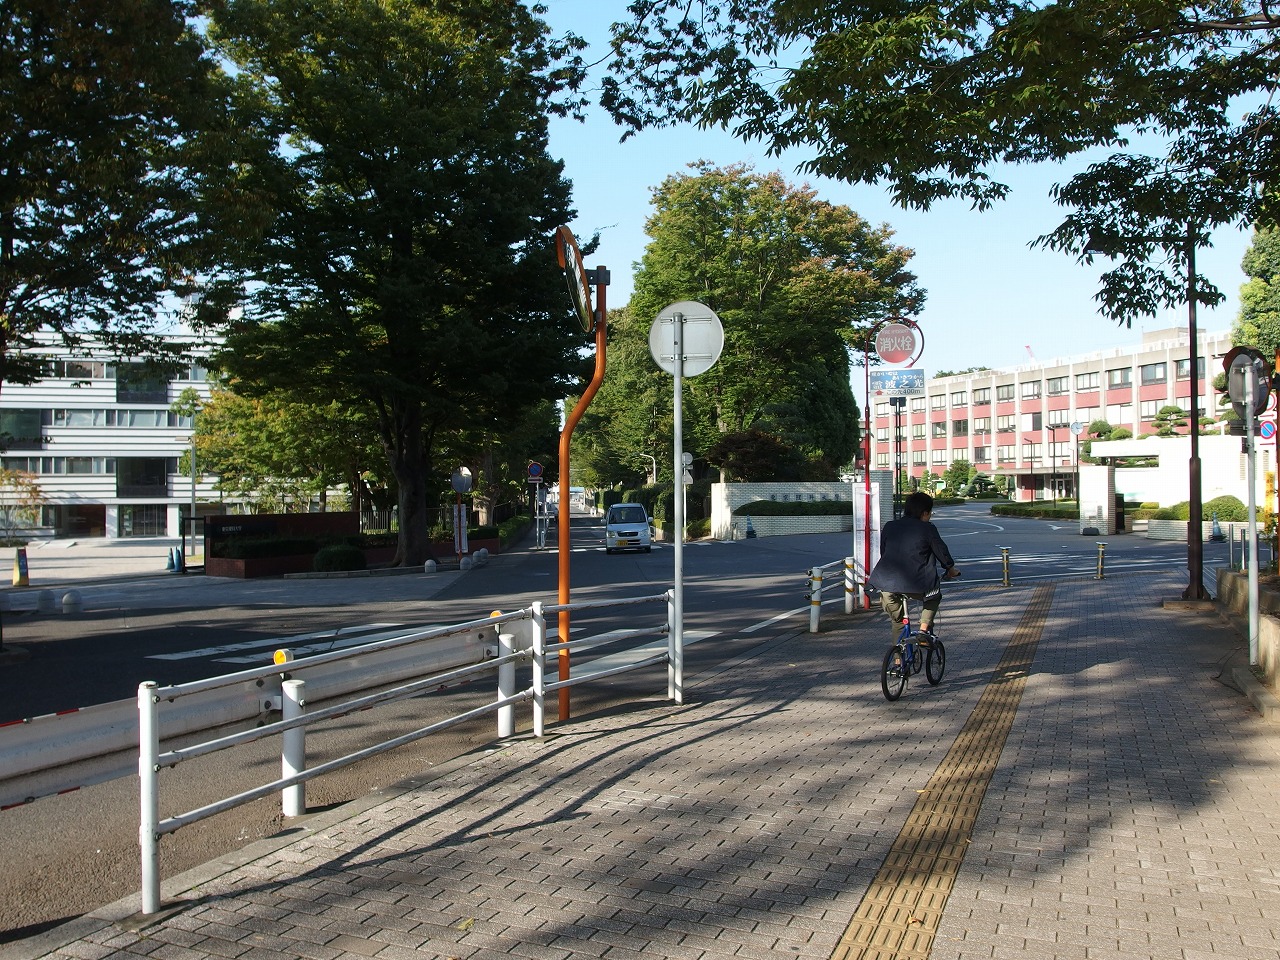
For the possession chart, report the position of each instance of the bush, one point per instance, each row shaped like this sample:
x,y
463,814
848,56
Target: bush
x,y
512,529
1040,510
1227,508
698,529
794,508
338,556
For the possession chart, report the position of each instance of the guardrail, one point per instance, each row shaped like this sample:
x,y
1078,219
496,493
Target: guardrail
x,y
817,579
57,753
154,703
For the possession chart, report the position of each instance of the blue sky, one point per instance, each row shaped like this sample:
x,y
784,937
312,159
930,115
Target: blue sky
x,y
991,297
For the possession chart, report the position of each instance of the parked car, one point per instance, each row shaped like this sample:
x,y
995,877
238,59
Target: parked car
x,y
626,527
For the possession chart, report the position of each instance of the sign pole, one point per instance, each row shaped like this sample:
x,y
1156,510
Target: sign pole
x,y
675,685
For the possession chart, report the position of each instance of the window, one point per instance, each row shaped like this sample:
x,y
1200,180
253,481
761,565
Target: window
x,y
143,520
917,404
959,428
1004,392
882,460
21,428
981,425
938,401
1119,414
1004,454
1059,450
1120,377
1057,386
939,429
144,476
78,369
918,458
1182,369
1087,415
1152,373
882,409
939,457
982,395
1031,390
1086,381
882,434
1148,409
1004,424
1032,452
981,454
140,383
1032,421
959,398
1058,418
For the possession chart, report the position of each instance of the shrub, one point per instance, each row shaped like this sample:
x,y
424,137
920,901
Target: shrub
x,y
698,529
338,556
1227,508
794,508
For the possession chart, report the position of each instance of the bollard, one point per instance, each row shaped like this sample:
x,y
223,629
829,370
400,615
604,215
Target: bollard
x,y
293,749
849,587
71,602
465,563
815,598
45,602
1004,562
1101,549
429,567
506,685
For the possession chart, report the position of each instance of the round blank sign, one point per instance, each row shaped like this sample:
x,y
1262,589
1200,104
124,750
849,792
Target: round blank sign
x,y
701,334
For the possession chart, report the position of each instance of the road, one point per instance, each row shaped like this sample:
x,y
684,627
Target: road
x,y
69,854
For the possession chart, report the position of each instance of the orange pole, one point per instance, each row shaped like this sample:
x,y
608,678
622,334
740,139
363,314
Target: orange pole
x,y
562,518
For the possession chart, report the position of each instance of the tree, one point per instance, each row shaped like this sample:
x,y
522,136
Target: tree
x,y
113,157
407,271
1169,421
796,282
958,474
20,501
931,98
1258,324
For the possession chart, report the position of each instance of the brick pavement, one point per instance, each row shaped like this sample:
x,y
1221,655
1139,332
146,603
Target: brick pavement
x,y
1130,814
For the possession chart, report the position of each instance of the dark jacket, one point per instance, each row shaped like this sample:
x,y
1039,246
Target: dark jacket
x,y
910,551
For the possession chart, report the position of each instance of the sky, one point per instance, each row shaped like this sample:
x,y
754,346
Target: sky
x,y
992,300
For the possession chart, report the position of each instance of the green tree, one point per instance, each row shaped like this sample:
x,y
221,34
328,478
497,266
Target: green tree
x,y
1170,421
114,154
407,271
958,474
932,98
796,282
20,501
1258,324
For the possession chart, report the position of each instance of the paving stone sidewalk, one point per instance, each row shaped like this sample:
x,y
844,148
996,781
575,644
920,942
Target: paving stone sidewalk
x,y
1130,814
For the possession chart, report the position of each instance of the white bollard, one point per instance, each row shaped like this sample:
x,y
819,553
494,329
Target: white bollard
x,y
465,563
71,602
429,567
506,685
45,602
850,587
293,751
815,599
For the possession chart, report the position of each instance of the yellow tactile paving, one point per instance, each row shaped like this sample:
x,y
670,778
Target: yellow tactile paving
x,y
899,915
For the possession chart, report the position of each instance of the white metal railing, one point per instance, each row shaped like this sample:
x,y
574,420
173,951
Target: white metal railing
x,y
154,699
853,586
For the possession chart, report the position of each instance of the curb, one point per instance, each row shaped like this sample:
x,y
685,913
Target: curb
x,y
1262,699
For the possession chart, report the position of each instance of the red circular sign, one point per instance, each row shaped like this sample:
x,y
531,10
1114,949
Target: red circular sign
x,y
896,343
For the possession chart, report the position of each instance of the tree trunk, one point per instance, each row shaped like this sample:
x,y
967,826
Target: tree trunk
x,y
405,452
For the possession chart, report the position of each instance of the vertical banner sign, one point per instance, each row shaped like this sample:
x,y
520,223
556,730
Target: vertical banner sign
x,y
20,573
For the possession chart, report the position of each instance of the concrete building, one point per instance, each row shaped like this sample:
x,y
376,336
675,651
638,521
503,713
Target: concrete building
x,y
1017,422
104,446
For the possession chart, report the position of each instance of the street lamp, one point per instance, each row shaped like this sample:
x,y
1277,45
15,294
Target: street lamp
x,y
1105,244
652,459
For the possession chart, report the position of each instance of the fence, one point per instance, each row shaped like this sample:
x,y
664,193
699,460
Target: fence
x,y
522,635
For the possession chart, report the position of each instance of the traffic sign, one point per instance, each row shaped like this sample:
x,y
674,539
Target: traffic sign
x,y
1267,430
701,336
575,274
535,470
896,343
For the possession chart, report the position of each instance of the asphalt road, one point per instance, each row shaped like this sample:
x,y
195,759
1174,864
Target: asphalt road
x,y
66,855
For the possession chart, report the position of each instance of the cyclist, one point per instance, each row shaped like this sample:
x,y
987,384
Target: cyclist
x,y
911,550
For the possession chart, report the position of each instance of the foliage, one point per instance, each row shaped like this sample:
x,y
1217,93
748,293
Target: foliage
x,y
958,474
1170,420
958,373
932,99
512,529
796,282
1120,433
338,556
1227,508
1258,324
1100,429
406,269
114,151
20,501
1038,509
794,508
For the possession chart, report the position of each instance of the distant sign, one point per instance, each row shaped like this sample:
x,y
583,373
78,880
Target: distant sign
x,y
1267,430
896,343
897,383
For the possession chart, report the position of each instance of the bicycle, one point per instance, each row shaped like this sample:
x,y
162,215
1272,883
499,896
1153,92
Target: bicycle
x,y
909,655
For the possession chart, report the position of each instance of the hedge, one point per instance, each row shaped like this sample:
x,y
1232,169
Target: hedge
x,y
794,508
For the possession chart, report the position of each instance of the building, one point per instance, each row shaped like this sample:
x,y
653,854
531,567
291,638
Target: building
x,y
104,446
1018,422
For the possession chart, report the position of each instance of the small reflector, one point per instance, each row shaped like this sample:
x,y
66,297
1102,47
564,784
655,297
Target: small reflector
x,y
496,613
282,656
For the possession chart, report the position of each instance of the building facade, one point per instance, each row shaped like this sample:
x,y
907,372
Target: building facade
x,y
104,446
1017,422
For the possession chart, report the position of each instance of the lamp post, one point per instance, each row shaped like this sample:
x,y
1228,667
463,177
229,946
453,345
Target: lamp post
x,y
653,460
1186,243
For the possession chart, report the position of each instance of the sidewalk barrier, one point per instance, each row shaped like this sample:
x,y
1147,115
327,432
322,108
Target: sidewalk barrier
x,y
1100,575
1004,566
152,699
814,592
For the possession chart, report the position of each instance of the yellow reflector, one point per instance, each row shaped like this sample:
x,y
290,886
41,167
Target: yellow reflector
x,y
282,656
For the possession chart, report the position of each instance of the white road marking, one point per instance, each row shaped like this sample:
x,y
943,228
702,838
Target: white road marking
x,y
273,643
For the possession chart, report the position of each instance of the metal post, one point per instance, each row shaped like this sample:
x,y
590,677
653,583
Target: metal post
x,y
149,795
1004,564
192,518
506,684
675,656
676,624
1195,532
848,585
539,668
1250,389
815,598
293,753
1100,575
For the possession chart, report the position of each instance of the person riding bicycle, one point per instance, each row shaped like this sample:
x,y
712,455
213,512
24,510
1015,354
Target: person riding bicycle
x,y
911,550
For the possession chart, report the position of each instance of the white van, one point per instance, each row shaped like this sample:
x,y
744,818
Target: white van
x,y
626,527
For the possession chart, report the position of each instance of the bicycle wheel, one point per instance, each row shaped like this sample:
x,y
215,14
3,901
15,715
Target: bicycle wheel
x,y
935,662
893,674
